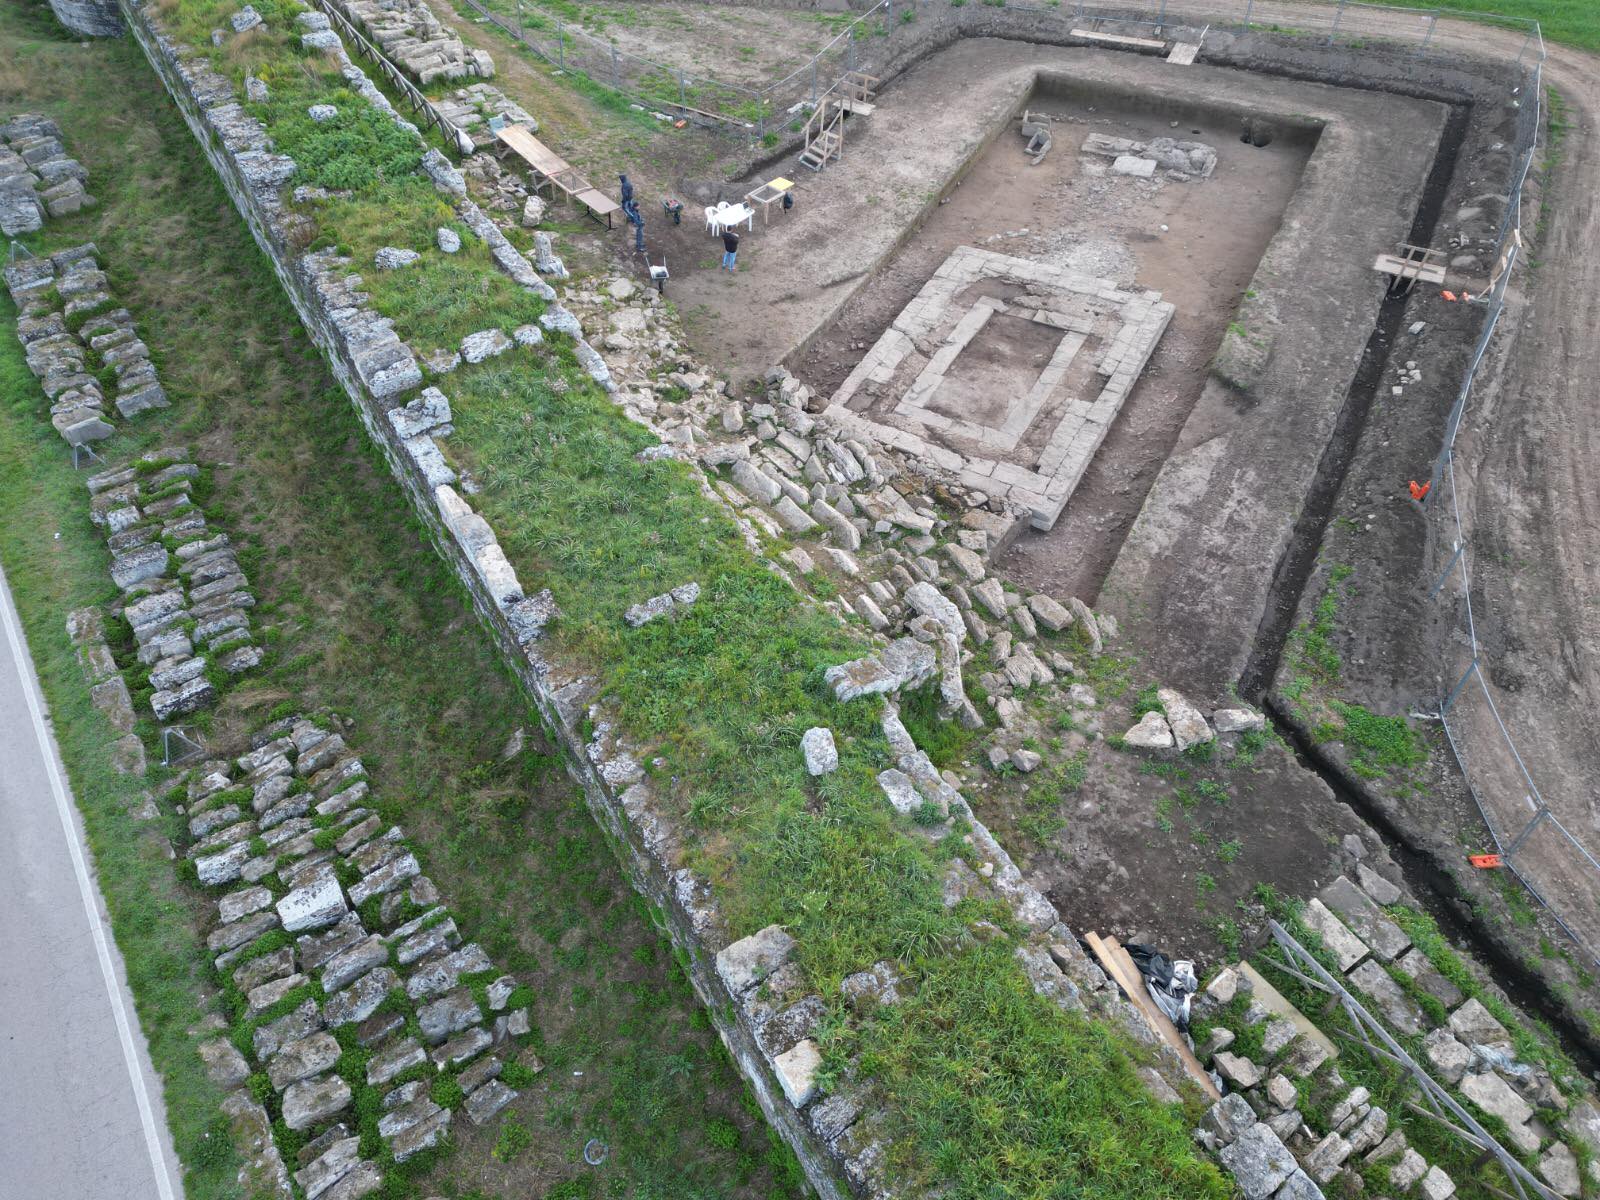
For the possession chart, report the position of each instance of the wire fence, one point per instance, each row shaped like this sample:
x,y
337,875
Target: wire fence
x,y
1477,711
892,33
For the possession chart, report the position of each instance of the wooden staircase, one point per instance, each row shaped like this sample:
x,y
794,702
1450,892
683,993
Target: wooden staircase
x,y
853,95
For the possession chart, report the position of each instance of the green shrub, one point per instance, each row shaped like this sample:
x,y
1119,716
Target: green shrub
x,y
513,1140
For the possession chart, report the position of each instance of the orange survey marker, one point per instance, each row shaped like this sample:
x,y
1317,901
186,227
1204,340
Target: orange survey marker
x,y
1485,861
1447,295
1419,490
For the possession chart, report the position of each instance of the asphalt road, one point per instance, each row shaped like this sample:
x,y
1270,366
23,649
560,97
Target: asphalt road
x,y
81,1116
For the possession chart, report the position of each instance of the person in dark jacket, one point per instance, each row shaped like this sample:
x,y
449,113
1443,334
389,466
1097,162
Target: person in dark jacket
x,y
627,191
730,248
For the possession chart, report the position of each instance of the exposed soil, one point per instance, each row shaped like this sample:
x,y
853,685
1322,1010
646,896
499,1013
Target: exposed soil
x,y
735,43
1175,852
1196,242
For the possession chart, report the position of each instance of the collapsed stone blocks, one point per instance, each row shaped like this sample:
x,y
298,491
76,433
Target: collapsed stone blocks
x,y
346,947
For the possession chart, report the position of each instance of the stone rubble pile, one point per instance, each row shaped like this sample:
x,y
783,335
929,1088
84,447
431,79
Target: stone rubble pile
x,y
472,108
79,346
185,597
1179,725
36,176
1471,1051
1179,160
411,36
353,974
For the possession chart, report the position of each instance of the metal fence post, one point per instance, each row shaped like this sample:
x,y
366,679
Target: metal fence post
x,y
1449,567
683,92
1528,37
1249,7
814,82
1516,843
1162,19
1337,13
1428,37
616,70
850,48
1460,683
561,44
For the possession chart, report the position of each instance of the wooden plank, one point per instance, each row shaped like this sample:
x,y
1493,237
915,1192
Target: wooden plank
x,y
1403,268
537,155
1183,53
597,201
1121,968
1271,999
1117,39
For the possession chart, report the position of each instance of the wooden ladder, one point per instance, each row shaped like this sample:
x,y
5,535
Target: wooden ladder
x,y
824,133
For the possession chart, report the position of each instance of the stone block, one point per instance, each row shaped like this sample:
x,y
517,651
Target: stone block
x,y
1259,1161
1346,948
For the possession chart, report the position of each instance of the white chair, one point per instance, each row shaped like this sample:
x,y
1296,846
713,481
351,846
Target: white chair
x,y
711,219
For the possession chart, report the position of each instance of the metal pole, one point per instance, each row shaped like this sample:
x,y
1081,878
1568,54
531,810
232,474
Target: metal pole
x,y
1337,13
519,20
683,94
1528,37
813,83
1249,7
616,71
1516,842
852,49
1162,19
1448,568
561,44
1428,37
1460,683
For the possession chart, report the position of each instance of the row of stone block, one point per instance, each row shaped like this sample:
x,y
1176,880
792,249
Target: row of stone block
x,y
186,598
37,178
287,834
77,344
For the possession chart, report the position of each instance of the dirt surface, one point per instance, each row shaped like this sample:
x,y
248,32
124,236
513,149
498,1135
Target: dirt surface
x,y
735,43
1196,242
1523,492
1176,851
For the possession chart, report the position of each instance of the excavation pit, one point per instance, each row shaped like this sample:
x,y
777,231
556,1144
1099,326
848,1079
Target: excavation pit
x,y
1007,372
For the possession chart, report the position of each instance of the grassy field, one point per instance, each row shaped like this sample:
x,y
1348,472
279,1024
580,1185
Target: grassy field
x,y
362,618
1573,22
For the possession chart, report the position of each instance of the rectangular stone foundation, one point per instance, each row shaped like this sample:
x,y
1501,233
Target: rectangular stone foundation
x,y
1006,373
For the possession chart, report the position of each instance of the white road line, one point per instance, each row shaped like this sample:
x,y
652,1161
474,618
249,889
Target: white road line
x,y
130,1057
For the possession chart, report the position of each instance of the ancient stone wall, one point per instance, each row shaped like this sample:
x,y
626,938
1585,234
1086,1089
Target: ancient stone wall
x,y
92,18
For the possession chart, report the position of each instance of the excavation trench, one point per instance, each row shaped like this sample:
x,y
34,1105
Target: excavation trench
x,y
1294,569
1443,898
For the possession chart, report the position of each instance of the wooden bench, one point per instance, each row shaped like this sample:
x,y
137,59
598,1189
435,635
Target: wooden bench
x,y
550,169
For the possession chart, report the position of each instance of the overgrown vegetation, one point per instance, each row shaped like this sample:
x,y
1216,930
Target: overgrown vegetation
x,y
1375,747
